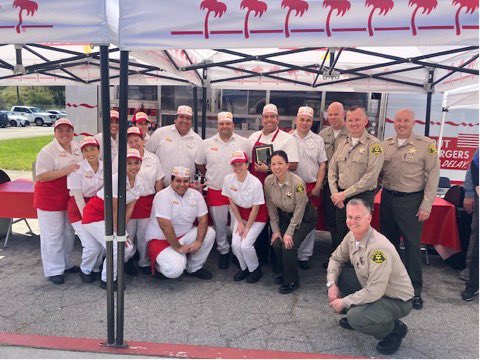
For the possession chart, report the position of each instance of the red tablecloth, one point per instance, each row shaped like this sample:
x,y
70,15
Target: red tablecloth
x,y
16,199
439,230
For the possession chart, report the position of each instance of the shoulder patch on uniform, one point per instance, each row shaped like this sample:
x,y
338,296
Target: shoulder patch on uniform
x,y
432,149
378,257
376,149
300,189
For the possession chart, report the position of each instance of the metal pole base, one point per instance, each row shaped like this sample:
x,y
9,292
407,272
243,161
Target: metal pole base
x,y
121,346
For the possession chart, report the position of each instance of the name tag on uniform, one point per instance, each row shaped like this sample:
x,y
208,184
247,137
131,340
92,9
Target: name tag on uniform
x,y
214,149
175,202
168,139
233,188
88,176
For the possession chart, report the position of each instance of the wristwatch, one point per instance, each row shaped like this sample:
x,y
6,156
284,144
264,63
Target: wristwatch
x,y
330,284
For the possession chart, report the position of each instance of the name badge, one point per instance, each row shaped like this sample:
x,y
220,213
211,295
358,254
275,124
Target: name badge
x,y
168,139
233,188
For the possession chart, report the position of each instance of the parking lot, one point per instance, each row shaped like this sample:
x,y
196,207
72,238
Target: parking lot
x,y
25,132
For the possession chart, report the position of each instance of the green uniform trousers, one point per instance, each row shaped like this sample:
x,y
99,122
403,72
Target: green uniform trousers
x,y
286,259
341,217
376,319
398,218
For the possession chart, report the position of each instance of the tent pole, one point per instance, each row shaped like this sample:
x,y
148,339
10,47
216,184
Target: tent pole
x,y
195,109
429,103
107,181
204,105
121,213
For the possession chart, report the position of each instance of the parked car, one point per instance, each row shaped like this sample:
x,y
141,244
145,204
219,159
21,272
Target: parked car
x,y
3,119
59,113
16,120
35,115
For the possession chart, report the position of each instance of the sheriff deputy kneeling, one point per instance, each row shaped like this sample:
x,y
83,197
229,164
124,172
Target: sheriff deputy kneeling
x,y
377,292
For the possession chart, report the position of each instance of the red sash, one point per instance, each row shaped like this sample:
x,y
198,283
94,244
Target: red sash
x,y
155,247
51,195
261,176
94,211
215,198
143,207
262,215
73,213
318,203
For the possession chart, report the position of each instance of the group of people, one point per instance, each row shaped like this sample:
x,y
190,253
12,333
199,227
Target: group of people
x,y
331,176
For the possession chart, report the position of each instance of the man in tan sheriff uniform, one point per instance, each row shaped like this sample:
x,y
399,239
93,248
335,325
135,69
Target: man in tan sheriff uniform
x,y
332,136
354,168
378,290
410,179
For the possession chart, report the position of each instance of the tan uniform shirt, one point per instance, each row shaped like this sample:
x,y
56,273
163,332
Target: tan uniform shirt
x,y
412,167
331,142
355,169
377,265
290,197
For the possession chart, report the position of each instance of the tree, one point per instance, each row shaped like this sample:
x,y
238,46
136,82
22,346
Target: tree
x,y
426,5
259,7
217,7
342,6
383,5
299,6
29,6
469,5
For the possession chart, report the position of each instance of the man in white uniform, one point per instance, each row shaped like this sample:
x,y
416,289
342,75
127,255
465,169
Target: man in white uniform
x,y
175,244
114,118
176,145
213,159
311,168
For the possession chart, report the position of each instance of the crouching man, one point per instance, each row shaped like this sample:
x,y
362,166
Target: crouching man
x,y
174,244
377,291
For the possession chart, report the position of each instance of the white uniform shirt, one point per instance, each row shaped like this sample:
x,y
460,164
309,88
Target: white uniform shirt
x,y
311,152
216,154
132,193
244,194
85,179
180,210
283,141
53,157
173,149
150,171
114,143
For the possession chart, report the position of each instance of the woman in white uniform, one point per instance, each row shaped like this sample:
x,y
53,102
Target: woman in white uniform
x,y
83,185
93,214
54,162
141,120
114,126
152,176
247,203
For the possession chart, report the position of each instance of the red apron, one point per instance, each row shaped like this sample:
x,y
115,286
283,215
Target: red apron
x,y
94,211
143,207
215,198
261,176
262,215
51,195
73,213
317,202
155,247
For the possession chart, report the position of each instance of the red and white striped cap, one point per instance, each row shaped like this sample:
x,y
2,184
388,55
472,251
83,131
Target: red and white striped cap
x,y
134,131
180,171
184,110
114,114
133,154
238,156
62,121
270,108
141,117
305,111
89,140
225,116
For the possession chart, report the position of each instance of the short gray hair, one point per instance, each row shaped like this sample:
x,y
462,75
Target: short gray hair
x,y
360,202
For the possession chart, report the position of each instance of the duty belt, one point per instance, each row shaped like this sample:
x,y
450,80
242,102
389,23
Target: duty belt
x,y
402,194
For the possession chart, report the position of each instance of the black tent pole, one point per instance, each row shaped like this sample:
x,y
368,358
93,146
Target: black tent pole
x,y
429,103
107,184
195,109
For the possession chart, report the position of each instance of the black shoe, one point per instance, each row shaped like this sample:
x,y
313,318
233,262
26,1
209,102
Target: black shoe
x,y
345,324
304,264
468,295
391,343
417,303
103,285
224,261
288,288
147,270
56,279
325,264
202,273
74,269
241,275
130,268
86,278
255,275
278,280
97,275
235,262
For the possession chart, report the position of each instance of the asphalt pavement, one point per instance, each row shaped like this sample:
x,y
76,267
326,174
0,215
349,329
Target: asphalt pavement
x,y
25,132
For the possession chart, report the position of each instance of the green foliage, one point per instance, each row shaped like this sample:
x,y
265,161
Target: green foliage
x,y
41,96
19,154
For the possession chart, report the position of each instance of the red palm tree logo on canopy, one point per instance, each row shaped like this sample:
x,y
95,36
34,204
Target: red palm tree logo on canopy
x,y
259,7
383,5
29,6
217,7
299,6
426,5
342,6
469,5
